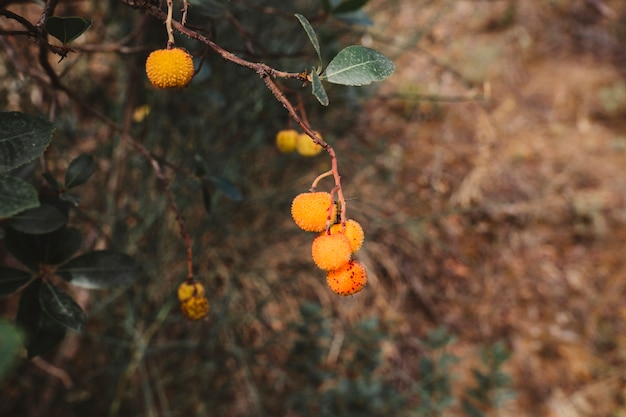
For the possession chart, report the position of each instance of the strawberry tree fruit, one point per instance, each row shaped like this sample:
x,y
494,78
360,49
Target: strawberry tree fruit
x,y
310,211
331,251
347,280
169,68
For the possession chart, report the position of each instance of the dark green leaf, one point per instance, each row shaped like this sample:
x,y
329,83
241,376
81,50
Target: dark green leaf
x,y
312,37
349,6
100,269
51,180
17,196
11,280
318,89
227,187
10,342
51,248
21,247
43,219
359,17
23,137
357,65
62,308
79,171
66,29
42,333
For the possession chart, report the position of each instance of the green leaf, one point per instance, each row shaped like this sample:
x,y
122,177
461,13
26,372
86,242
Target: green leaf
x,y
100,269
23,137
52,181
79,171
42,333
10,342
66,29
59,246
11,280
228,188
349,6
62,308
312,37
318,89
39,220
357,65
17,196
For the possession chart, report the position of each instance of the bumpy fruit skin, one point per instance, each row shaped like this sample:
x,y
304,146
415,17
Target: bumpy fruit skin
x,y
306,146
347,280
310,211
195,308
286,140
331,251
186,290
354,233
169,68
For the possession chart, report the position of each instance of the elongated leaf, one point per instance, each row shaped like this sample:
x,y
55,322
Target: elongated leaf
x,y
23,137
312,37
57,247
100,269
11,280
318,89
228,188
43,219
42,334
79,171
60,307
66,29
10,342
357,65
17,196
349,6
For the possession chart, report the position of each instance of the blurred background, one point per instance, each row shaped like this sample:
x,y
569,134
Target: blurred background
x,y
489,174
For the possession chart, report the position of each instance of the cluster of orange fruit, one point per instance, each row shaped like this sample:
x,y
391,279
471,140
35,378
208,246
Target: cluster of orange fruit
x,y
335,242
289,140
193,303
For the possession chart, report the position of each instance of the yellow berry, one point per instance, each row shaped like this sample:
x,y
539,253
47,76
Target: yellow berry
x,y
195,308
306,146
331,251
310,211
286,140
186,290
354,233
167,68
347,280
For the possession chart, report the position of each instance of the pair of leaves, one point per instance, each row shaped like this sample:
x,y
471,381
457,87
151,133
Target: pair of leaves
x,y
46,311
23,137
354,65
213,182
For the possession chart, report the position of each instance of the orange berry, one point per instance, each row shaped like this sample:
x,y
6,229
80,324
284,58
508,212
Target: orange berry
x,y
331,251
195,308
347,280
354,233
186,290
310,211
306,146
286,140
167,68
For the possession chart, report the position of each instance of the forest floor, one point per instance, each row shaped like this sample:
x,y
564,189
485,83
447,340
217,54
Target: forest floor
x,y
503,137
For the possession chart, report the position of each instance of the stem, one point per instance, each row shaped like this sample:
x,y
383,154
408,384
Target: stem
x,y
168,25
319,178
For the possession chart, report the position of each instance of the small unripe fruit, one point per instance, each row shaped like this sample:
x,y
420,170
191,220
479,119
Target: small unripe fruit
x,y
168,68
186,290
195,308
306,146
348,279
331,251
310,211
354,233
286,140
